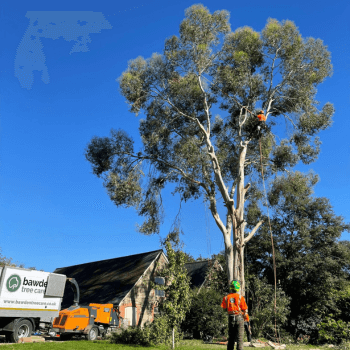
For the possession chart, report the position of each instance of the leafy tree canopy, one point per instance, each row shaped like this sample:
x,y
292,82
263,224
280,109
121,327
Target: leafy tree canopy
x,y
312,264
208,66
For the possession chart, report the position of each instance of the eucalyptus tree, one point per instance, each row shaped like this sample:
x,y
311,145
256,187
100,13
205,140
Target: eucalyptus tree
x,y
206,70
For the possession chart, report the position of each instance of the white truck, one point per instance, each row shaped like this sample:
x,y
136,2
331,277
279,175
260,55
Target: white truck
x,y
29,301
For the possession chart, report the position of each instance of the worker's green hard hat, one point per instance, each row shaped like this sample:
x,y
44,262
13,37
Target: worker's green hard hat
x,y
235,285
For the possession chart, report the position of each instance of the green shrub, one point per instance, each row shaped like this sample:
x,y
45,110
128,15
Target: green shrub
x,y
306,328
262,297
131,335
160,330
157,332
332,331
344,346
206,317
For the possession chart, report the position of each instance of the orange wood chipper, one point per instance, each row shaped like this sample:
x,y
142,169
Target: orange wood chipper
x,y
91,321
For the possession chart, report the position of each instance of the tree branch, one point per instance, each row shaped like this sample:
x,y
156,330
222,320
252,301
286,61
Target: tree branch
x,y
206,108
186,176
246,188
252,233
216,215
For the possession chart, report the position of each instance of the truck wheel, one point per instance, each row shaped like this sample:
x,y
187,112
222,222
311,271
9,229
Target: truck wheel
x,y
93,334
21,329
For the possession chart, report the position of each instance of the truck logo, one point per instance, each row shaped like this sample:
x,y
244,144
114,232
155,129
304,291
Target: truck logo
x,y
13,283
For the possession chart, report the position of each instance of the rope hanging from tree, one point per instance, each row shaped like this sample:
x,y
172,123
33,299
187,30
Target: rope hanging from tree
x,y
273,248
262,118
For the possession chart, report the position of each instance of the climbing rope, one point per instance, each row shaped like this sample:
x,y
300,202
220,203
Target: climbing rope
x,y
273,249
262,117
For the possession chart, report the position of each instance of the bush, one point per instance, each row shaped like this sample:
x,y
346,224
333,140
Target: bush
x,y
332,331
131,335
262,297
157,332
206,316
307,328
161,332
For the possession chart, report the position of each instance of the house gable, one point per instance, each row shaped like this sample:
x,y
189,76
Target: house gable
x,y
198,271
142,297
107,281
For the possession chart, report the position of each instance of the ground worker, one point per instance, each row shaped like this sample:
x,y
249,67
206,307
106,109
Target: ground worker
x,y
236,308
247,327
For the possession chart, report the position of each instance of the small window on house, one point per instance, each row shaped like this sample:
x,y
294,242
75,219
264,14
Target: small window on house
x,y
161,282
160,293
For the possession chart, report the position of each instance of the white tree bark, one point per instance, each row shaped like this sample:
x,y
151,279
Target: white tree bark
x,y
234,249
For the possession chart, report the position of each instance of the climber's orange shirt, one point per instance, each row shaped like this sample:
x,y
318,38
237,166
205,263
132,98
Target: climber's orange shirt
x,y
262,117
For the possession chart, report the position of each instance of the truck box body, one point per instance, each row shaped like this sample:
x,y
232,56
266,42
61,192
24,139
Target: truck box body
x,y
30,293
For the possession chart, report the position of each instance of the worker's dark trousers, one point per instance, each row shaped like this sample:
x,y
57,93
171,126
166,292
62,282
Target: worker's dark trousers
x,y
246,327
234,323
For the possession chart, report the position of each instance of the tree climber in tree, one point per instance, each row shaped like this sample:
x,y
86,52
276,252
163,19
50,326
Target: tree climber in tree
x,y
236,308
262,119
262,116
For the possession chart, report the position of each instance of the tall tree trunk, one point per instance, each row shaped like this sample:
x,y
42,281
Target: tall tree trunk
x,y
238,234
173,340
229,254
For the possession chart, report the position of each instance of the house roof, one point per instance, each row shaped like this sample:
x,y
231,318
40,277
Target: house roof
x,y
106,281
197,272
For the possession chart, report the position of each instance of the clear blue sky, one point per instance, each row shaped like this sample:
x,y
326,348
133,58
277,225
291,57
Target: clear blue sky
x,y
53,211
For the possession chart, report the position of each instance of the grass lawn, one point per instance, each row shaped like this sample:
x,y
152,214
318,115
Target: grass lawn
x,y
104,344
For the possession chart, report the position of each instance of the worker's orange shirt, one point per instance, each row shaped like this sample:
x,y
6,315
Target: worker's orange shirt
x,y
230,302
262,117
246,318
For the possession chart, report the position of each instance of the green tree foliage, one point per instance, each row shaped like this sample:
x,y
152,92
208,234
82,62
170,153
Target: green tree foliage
x,y
206,317
174,238
262,301
312,264
177,288
342,297
216,277
334,332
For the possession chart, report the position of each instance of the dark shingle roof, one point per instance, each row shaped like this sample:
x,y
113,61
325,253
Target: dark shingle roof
x,y
106,281
197,272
